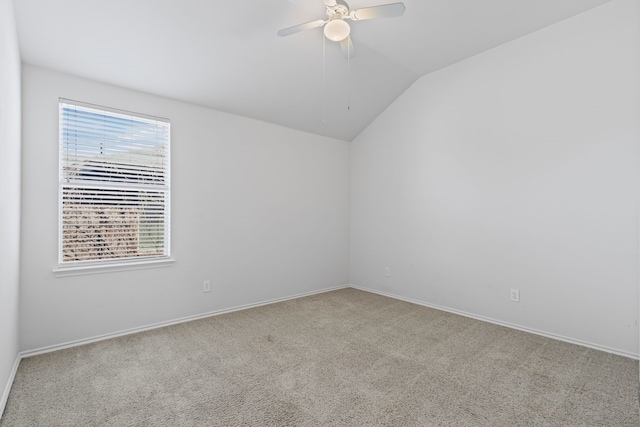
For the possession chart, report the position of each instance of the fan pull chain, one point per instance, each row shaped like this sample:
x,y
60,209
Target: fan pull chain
x,y
348,74
324,72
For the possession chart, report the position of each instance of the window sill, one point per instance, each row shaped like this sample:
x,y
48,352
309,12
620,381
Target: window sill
x,y
125,266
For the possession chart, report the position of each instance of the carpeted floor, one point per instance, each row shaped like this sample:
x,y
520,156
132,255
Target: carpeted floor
x,y
342,358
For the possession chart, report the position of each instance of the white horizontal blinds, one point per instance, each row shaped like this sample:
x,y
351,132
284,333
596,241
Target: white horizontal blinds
x,y
114,185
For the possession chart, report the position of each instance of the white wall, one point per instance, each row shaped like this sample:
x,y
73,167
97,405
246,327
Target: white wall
x,y
516,168
258,209
9,195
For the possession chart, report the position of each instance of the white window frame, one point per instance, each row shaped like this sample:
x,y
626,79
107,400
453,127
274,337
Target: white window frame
x,y
116,263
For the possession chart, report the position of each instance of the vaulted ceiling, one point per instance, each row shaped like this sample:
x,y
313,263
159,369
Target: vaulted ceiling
x,y
226,55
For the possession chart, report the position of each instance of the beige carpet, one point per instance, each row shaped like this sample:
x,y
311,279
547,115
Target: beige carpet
x,y
343,358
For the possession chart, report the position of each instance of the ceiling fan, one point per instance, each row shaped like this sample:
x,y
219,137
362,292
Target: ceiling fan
x,y
336,27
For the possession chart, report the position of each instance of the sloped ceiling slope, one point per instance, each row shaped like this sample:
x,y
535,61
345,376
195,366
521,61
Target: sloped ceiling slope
x,y
226,55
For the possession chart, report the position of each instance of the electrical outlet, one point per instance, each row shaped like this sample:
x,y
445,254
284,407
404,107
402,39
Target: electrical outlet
x,y
206,286
515,295
387,272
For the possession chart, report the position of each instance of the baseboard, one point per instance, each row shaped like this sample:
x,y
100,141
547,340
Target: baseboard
x,y
56,347
502,323
7,388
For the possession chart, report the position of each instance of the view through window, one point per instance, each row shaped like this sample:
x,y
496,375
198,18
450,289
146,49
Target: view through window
x,y
114,185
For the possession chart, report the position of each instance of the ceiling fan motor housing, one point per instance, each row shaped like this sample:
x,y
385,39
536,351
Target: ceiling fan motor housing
x,y
337,29
339,11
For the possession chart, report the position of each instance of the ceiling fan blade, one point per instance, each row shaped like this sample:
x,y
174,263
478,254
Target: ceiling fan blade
x,y
390,10
297,28
330,3
347,48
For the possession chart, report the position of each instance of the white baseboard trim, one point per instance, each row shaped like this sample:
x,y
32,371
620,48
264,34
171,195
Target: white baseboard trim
x,y
56,347
630,355
7,388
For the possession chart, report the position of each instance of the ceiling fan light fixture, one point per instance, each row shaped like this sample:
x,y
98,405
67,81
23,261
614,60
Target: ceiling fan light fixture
x,y
337,30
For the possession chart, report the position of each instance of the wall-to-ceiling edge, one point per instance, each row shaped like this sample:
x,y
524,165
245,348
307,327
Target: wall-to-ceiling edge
x,y
10,146
514,169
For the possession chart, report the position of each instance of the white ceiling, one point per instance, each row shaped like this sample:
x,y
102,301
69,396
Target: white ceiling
x,y
226,54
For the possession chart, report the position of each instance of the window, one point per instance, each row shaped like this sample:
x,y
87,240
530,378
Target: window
x,y
114,187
